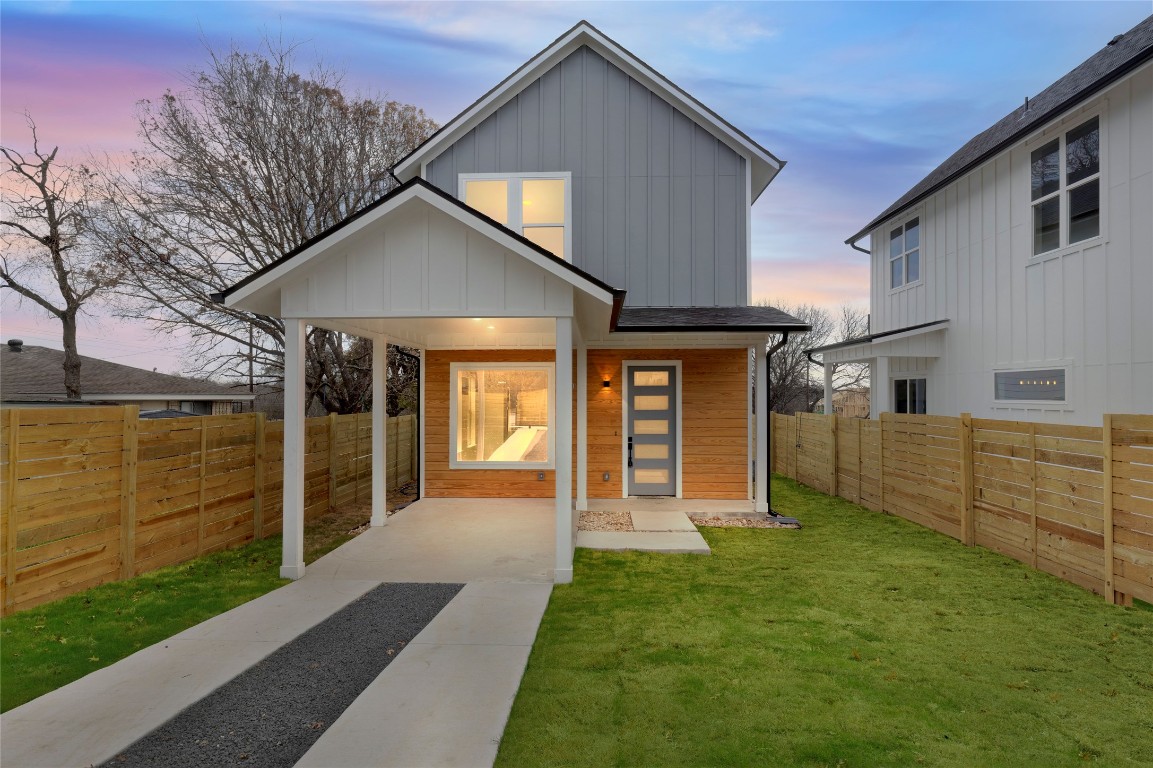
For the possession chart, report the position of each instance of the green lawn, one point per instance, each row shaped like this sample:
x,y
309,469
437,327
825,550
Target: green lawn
x,y
860,640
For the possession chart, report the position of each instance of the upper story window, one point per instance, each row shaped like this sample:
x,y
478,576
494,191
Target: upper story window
x,y
1065,179
537,206
905,253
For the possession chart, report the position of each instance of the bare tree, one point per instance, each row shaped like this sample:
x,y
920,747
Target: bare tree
x,y
796,383
246,163
46,221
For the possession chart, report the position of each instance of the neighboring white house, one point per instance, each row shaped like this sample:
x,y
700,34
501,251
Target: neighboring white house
x,y
1016,280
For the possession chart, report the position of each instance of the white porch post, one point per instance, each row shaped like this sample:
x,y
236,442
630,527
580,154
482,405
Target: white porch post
x,y
292,562
828,388
762,402
379,430
565,537
878,387
582,479
420,423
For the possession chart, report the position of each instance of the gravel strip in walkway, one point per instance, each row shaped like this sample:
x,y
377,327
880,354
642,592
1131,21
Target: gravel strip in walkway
x,y
272,713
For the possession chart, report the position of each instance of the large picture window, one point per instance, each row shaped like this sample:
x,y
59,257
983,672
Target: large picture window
x,y
500,415
535,205
1065,183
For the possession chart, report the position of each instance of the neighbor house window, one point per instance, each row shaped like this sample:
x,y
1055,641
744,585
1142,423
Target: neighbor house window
x,y
1065,181
500,415
909,396
1036,384
905,254
537,206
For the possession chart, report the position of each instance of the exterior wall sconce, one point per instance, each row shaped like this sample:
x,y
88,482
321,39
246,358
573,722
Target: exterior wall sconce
x,y
607,384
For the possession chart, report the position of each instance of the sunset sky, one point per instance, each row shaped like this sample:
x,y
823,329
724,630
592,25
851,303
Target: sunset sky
x,y
861,99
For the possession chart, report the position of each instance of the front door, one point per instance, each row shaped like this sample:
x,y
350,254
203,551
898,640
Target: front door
x,y
651,430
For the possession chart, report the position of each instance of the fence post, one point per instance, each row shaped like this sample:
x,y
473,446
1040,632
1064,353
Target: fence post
x,y
356,458
393,454
1107,507
13,522
200,494
1033,489
332,456
881,466
128,463
860,462
258,483
832,454
968,527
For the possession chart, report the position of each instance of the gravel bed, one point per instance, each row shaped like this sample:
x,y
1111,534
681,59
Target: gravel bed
x,y
741,522
605,521
272,713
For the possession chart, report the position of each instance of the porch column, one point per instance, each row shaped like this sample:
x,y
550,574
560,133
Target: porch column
x,y
828,388
565,521
762,406
379,430
878,387
582,479
292,562
420,421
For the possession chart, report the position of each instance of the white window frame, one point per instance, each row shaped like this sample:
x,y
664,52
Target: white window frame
x,y
1026,368
454,403
1060,134
904,257
907,377
515,207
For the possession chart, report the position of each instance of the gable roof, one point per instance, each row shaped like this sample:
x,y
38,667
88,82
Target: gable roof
x,y
37,374
418,187
1120,56
764,164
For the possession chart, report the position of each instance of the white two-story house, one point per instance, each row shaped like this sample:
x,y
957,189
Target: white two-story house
x,y
1015,281
571,256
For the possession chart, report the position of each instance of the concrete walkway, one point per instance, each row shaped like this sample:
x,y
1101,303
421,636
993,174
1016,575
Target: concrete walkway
x,y
653,531
443,701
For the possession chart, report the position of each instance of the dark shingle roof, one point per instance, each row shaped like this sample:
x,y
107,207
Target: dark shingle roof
x,y
37,373
1122,55
706,319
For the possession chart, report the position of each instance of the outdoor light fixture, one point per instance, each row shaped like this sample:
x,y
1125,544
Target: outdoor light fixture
x,y
606,383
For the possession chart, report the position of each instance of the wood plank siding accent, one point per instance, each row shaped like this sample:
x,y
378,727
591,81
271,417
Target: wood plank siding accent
x,y
442,482
715,387
659,205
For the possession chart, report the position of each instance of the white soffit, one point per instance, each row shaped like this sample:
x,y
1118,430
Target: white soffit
x,y
764,165
262,295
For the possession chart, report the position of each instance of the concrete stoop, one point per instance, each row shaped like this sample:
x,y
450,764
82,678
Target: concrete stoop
x,y
664,531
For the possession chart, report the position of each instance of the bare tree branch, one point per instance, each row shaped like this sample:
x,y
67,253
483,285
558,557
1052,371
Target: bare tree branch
x,y
249,160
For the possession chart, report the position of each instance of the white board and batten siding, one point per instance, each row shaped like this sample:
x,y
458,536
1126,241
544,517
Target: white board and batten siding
x,y
1087,307
422,262
660,206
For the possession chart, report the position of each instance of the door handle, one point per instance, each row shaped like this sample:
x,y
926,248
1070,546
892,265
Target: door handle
x,y
630,451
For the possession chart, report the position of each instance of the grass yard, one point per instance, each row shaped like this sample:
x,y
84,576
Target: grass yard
x,y
860,640
51,645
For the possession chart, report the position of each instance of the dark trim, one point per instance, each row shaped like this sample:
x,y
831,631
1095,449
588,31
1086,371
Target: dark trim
x,y
1081,95
219,297
657,75
714,328
873,337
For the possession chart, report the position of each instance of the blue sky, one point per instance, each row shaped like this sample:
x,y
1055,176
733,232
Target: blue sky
x,y
861,99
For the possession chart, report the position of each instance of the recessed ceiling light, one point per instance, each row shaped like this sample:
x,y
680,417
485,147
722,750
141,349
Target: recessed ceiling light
x,y
492,327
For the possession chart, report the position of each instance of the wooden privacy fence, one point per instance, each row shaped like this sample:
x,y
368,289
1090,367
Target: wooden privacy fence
x,y
1076,502
91,495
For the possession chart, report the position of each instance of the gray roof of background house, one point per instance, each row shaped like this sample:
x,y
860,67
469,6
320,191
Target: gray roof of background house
x,y
37,374
706,319
1120,56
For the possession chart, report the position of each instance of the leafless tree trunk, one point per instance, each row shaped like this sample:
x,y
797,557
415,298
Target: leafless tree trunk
x,y
795,383
47,212
246,163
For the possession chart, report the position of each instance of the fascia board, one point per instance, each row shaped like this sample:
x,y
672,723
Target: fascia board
x,y
412,165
